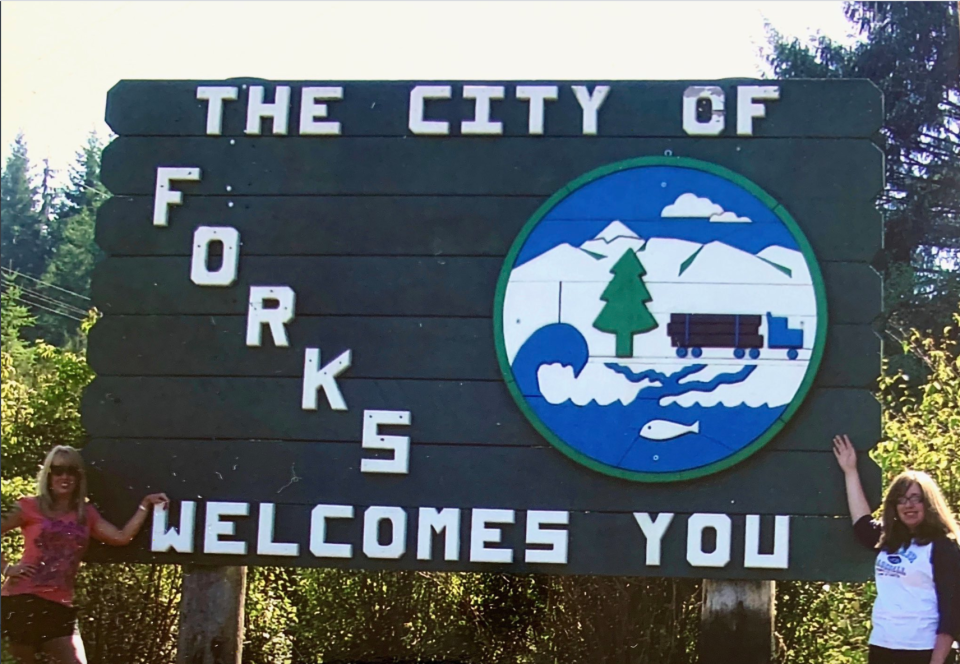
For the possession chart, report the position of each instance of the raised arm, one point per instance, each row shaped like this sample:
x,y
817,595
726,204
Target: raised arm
x,y
847,459
108,533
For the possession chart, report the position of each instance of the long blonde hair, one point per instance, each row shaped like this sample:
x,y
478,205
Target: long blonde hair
x,y
79,499
937,519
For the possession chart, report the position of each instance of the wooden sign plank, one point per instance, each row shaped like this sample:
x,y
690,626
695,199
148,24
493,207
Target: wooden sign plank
x,y
411,225
515,477
806,108
602,543
787,169
394,244
446,412
425,348
383,286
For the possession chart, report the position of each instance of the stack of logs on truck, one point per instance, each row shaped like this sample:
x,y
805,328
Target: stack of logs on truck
x,y
691,333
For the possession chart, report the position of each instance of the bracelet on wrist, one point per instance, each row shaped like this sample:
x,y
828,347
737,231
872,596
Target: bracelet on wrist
x,y
142,507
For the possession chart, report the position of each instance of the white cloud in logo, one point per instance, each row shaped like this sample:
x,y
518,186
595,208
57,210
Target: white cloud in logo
x,y
595,383
690,205
730,218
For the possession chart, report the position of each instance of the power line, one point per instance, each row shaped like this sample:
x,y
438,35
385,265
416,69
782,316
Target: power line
x,y
53,311
14,273
42,296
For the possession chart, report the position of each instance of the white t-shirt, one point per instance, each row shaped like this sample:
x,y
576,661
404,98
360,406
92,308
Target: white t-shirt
x,y
905,614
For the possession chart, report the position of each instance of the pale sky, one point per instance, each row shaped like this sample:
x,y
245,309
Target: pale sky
x,y
59,59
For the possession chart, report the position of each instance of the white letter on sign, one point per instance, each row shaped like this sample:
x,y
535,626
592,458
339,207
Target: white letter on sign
x,y
316,378
372,440
278,111
481,123
265,544
747,110
590,103
215,95
555,538
653,530
431,520
480,536
310,110
276,317
200,274
780,558
536,95
163,197
214,528
714,97
372,518
180,541
319,546
720,556
417,96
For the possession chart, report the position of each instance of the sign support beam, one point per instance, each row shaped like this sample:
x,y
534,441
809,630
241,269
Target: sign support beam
x,y
211,615
736,622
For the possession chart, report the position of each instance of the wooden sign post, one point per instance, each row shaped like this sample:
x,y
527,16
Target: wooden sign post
x,y
211,615
578,328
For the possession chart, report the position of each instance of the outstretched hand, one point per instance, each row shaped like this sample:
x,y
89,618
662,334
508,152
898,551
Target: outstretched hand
x,y
155,499
846,454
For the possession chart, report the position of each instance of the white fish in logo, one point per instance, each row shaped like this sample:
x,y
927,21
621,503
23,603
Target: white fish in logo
x,y
665,430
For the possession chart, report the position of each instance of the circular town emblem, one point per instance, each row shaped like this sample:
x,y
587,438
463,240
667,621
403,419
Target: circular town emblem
x,y
660,319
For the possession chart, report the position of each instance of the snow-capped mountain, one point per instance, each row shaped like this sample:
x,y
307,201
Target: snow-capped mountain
x,y
565,284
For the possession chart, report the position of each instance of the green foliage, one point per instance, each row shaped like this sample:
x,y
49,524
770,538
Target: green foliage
x,y
24,233
270,617
910,51
15,317
129,612
74,251
921,425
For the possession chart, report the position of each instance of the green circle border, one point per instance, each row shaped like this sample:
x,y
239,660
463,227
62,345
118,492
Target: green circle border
x,y
798,398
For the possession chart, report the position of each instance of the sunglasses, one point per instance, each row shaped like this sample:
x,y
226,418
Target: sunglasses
x,y
57,471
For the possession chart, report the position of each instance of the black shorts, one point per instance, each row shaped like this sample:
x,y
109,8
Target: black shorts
x,y
880,655
32,621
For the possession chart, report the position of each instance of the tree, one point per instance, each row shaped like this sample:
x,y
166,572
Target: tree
x,y
75,252
910,51
625,313
24,244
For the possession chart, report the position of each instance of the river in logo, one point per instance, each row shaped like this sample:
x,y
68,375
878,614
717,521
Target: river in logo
x,y
660,319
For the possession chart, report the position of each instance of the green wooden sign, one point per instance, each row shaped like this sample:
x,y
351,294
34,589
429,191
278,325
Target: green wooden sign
x,y
577,328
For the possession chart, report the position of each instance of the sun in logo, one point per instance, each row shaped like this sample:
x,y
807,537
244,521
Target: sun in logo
x,y
660,319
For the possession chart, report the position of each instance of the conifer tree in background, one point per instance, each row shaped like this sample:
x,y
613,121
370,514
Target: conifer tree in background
x,y
24,237
75,252
626,313
911,51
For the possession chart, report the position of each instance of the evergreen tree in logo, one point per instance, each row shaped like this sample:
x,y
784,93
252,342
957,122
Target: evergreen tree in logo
x,y
626,313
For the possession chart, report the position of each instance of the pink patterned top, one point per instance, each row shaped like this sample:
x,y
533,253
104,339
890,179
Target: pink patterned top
x,y
55,546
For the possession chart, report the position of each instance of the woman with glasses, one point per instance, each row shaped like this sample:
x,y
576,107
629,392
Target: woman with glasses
x,y
916,616
57,524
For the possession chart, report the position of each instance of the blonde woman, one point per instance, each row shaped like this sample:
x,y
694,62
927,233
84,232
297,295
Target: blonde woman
x,y
916,616
38,613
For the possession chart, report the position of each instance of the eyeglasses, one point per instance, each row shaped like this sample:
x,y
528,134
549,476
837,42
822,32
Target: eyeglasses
x,y
57,470
912,499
